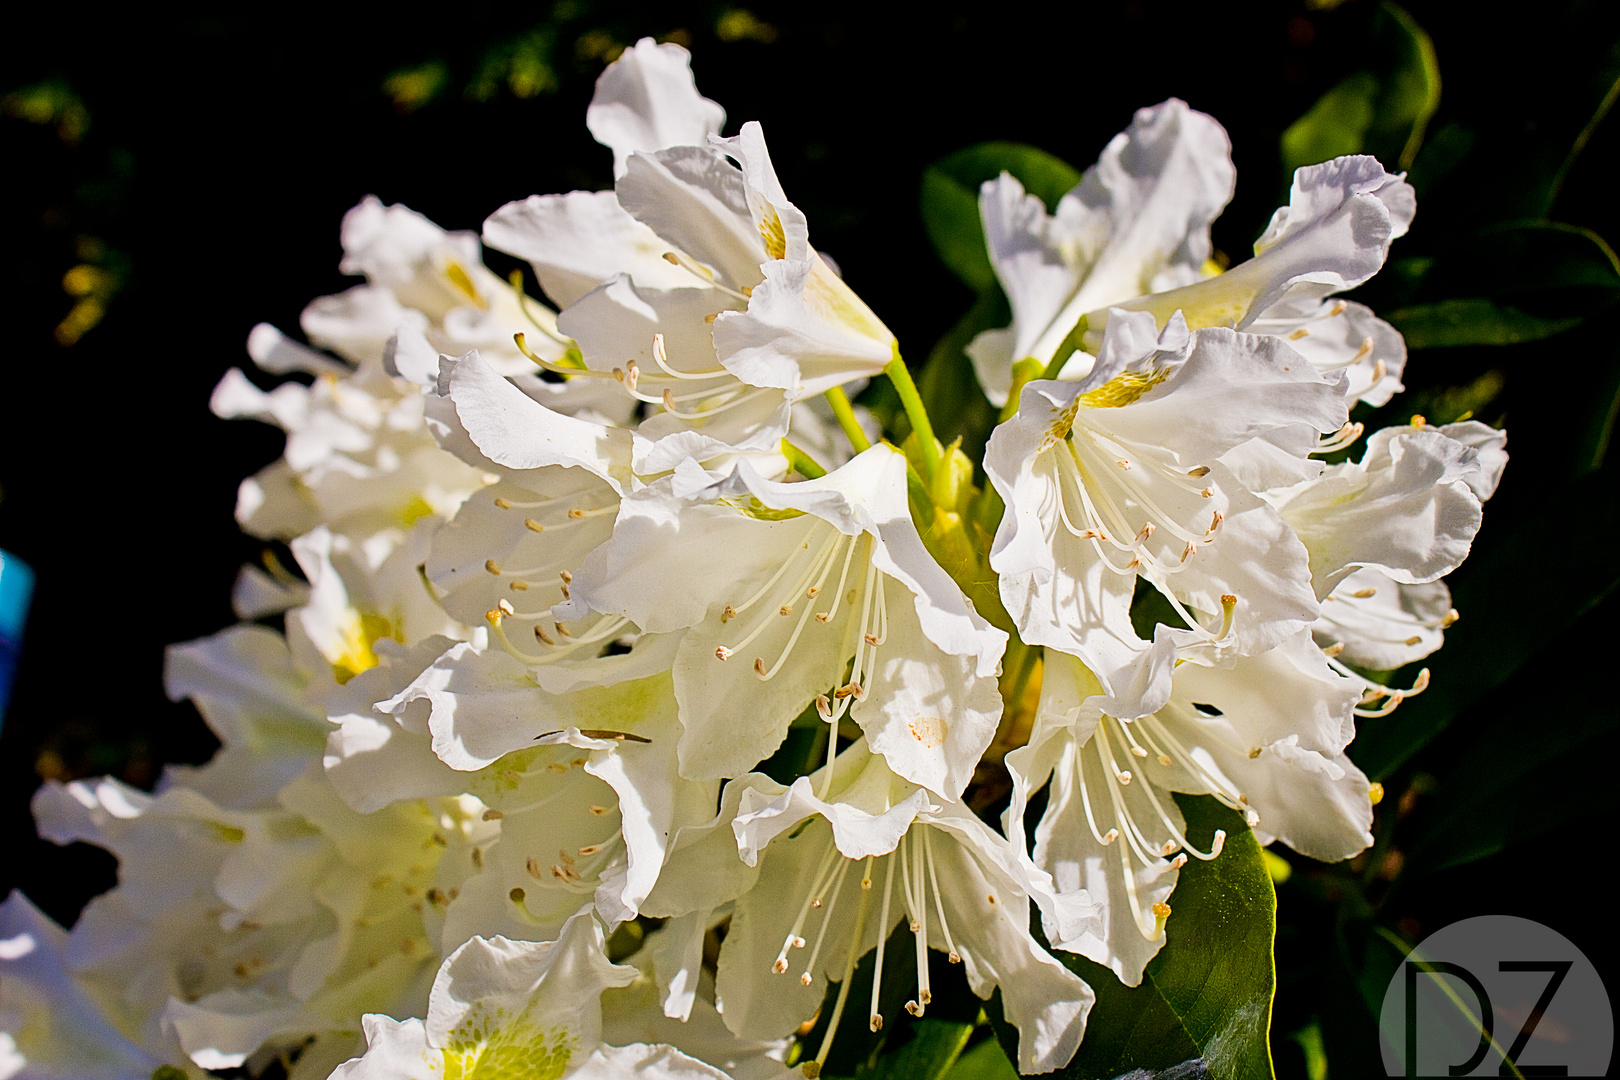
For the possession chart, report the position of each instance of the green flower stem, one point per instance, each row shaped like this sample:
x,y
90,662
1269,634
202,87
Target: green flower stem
x,y
845,412
1066,348
1025,371
803,464
927,445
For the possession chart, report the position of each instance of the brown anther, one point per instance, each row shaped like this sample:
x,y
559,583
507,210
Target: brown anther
x,y
1363,594
1164,759
561,629
598,811
728,613
590,849
812,592
759,666
780,967
913,1008
872,640
576,513
852,690
915,926
1198,473
533,525
518,586
785,609
1302,332
618,373
532,865
710,319
1338,308
669,399
632,374
670,257
1214,522
1333,650
823,616
876,1023
1191,547
1147,531
806,980
1207,492
1363,352
1448,618
1123,464
543,637
505,607
1379,371
1254,753
504,504
722,653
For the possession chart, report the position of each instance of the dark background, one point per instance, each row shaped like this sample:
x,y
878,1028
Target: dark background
x,y
180,178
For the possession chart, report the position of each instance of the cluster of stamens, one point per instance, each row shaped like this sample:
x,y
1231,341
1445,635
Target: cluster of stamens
x,y
919,879
557,641
808,581
1149,737
1089,467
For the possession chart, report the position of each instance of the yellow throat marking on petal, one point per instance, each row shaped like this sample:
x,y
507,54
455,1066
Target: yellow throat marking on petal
x,y
491,1044
458,277
415,510
770,231
1060,428
752,507
1122,389
359,632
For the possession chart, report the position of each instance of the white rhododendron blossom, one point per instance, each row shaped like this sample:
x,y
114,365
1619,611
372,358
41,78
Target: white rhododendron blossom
x,y
616,697
1135,234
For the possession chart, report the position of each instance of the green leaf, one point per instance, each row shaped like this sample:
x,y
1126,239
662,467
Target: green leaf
x,y
1510,612
929,1054
1207,996
1510,283
1336,125
949,388
1384,110
1471,322
950,200
985,1061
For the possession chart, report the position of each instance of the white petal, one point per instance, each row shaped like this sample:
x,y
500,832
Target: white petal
x,y
647,100
579,240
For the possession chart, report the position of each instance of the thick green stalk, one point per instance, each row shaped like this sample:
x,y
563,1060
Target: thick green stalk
x,y
1066,348
845,412
927,445
803,464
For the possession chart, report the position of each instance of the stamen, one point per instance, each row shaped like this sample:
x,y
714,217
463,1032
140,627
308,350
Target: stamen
x,y
661,358
849,971
876,1021
954,956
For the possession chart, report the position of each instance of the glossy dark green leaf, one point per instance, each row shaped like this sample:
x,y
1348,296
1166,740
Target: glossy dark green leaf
x,y
1471,322
1204,1004
1508,614
950,200
930,1053
986,1061
1383,110
949,388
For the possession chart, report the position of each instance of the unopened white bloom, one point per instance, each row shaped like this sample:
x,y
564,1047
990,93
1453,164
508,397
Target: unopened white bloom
x,y
1120,475
1135,234
503,1008
815,576
831,864
1265,735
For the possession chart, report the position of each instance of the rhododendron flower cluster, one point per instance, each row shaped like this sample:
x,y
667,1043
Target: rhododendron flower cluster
x,y
616,625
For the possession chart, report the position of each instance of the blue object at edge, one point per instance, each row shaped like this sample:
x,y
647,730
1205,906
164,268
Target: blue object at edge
x,y
16,590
